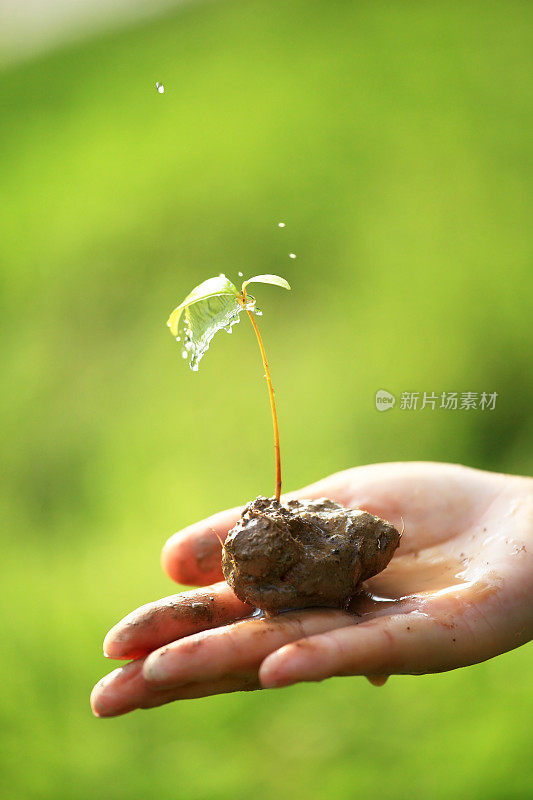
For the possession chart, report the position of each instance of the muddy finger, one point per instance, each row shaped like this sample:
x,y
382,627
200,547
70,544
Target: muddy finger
x,y
156,624
236,648
125,690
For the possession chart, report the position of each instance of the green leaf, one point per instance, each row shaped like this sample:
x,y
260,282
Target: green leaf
x,y
214,305
211,306
275,280
209,288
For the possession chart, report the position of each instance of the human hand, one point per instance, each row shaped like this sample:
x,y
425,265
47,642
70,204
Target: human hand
x,y
456,592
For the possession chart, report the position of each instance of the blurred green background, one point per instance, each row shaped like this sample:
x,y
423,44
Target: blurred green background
x,y
393,139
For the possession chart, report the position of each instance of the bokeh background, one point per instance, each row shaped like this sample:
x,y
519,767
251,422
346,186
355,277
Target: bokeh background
x,y
394,141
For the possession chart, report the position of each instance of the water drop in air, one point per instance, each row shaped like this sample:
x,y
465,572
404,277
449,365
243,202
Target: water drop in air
x,y
239,274
292,255
160,88
281,224
184,354
178,338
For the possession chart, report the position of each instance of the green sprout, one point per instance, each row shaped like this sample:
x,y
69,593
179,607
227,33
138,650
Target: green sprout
x,y
214,305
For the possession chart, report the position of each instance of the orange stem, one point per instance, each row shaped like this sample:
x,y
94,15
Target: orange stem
x,y
272,405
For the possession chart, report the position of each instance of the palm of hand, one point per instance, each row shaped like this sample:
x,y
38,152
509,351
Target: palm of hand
x,y
456,592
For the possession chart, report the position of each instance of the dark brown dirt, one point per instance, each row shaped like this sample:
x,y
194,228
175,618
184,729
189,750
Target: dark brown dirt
x,y
195,612
304,553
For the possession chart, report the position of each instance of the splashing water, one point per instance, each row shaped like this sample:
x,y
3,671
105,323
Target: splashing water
x,y
200,321
240,274
281,224
213,305
292,255
160,88
250,305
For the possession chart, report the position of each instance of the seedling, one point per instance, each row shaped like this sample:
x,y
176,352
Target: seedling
x,y
301,552
214,305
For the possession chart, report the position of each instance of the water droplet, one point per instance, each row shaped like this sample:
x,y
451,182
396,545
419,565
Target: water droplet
x,y
292,255
160,88
178,338
200,323
239,274
281,224
184,354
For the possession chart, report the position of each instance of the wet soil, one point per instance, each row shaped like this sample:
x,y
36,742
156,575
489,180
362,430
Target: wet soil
x,y
304,553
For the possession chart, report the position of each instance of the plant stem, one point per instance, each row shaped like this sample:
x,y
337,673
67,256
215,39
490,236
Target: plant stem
x,y
272,405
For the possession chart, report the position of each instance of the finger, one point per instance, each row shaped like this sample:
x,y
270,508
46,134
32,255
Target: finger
x,y
412,643
156,624
234,649
192,556
125,690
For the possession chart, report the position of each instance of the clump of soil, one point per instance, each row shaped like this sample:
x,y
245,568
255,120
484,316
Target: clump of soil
x,y
304,553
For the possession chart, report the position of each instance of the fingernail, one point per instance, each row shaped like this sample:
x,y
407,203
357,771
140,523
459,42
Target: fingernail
x,y
107,645
107,699
123,655
276,683
111,650
156,673
270,680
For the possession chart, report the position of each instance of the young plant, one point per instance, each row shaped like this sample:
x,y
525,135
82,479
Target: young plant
x,y
299,553
214,305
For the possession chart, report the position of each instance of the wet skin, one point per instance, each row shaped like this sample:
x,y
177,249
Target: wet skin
x,y
457,591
